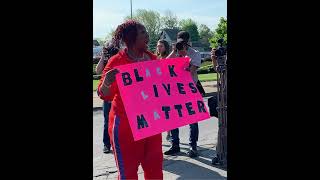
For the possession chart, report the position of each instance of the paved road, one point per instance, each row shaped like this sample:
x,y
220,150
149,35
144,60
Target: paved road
x,y
175,167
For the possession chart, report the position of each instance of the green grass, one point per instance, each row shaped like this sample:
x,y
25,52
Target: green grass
x,y
95,84
207,77
202,78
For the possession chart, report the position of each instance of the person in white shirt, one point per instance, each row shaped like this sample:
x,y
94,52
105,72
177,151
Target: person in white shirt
x,y
183,49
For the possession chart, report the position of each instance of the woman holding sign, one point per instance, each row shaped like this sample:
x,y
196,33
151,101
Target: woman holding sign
x,y
129,154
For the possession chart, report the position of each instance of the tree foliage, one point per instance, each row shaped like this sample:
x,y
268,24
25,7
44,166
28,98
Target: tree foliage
x,y
190,26
220,32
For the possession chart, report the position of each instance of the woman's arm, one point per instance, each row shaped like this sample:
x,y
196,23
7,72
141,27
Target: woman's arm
x,y
109,78
100,65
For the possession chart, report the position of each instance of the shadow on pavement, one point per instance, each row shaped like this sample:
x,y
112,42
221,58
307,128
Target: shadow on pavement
x,y
204,154
188,170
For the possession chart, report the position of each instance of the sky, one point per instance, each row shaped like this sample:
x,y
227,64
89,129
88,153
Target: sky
x,y
108,14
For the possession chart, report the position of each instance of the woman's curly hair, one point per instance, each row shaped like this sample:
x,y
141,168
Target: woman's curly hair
x,y
127,32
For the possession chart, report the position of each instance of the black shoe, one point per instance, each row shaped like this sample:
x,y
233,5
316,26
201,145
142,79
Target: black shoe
x,y
215,161
106,149
172,150
193,152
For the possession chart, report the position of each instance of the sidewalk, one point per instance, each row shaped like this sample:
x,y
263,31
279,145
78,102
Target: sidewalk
x,y
175,167
209,87
178,167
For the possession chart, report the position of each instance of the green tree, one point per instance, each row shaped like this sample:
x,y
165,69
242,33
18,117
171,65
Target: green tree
x,y
205,34
190,26
152,22
169,20
220,32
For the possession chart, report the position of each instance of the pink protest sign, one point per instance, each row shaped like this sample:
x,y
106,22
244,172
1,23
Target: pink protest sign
x,y
159,95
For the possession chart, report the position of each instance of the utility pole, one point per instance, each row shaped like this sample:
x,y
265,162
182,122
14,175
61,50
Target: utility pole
x,y
131,7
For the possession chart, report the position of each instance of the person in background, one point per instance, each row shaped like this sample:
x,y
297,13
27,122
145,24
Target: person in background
x,y
183,49
162,52
214,58
129,154
163,49
109,50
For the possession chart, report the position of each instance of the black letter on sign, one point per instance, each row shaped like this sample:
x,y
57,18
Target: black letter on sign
x,y
166,109
188,106
141,122
201,106
180,88
126,79
155,90
178,107
172,73
193,89
167,89
138,78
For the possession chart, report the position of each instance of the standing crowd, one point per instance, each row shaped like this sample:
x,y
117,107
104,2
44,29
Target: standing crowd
x,y
130,45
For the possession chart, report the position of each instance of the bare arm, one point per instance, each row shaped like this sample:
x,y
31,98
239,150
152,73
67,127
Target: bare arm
x,y
173,52
172,55
110,77
100,65
214,58
193,69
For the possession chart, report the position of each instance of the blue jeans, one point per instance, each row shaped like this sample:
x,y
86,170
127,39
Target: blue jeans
x,y
193,137
106,110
